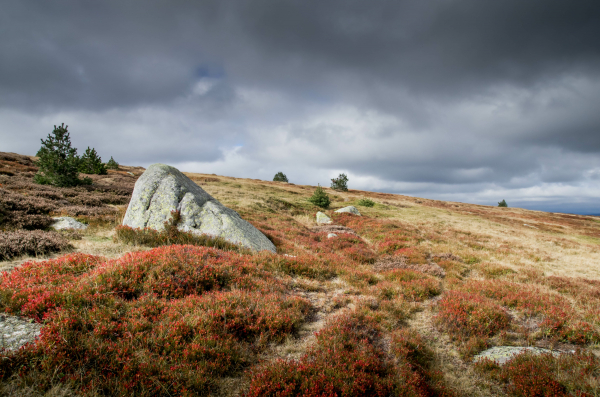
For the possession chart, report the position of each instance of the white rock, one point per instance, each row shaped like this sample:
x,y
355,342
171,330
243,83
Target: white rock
x,y
502,354
322,218
331,235
351,209
162,189
66,222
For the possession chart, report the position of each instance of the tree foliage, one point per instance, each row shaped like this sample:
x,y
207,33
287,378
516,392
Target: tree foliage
x,y
320,198
340,183
91,163
502,204
58,162
280,177
112,164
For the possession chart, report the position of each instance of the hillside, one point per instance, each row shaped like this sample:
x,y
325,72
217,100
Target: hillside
x,y
398,303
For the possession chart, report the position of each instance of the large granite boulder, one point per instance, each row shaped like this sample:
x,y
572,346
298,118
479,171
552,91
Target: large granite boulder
x,y
162,189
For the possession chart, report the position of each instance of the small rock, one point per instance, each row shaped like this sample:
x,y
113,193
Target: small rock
x,y
322,218
351,209
502,354
131,173
331,235
66,222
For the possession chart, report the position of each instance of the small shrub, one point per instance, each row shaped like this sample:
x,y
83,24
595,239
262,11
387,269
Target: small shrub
x,y
58,161
280,177
346,361
340,183
112,164
502,204
320,198
465,315
91,163
30,242
546,375
365,202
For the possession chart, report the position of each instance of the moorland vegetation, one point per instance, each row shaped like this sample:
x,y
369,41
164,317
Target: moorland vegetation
x,y
398,304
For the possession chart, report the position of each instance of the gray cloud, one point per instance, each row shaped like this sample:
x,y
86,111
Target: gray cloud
x,y
457,99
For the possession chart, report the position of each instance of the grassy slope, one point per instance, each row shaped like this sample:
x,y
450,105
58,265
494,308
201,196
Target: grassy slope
x,y
502,259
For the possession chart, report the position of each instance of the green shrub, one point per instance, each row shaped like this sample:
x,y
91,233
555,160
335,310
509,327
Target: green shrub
x,y
365,202
320,198
91,163
340,183
112,164
58,161
280,177
502,204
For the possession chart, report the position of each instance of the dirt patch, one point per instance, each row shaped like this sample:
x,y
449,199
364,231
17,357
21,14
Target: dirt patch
x,y
333,229
399,262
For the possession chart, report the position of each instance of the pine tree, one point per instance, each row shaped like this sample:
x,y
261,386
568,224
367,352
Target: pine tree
x,y
340,183
91,163
58,161
112,164
280,177
320,198
502,204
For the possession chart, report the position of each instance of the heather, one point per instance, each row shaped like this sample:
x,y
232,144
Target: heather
x,y
30,242
130,322
398,303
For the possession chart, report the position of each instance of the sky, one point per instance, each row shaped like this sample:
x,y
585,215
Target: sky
x,y
461,100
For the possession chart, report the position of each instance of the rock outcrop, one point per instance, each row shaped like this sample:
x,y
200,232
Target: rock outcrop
x,y
502,354
162,189
351,209
66,222
323,218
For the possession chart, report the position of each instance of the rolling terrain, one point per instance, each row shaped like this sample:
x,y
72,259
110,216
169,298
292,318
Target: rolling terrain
x,y
398,303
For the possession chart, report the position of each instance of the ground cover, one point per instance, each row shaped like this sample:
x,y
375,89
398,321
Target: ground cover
x,y
367,312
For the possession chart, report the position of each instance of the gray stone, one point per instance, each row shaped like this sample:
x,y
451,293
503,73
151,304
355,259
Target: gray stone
x,y
502,354
66,222
331,235
322,218
16,331
162,189
351,209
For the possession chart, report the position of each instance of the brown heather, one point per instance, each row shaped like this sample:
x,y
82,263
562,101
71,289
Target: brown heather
x,y
397,304
30,242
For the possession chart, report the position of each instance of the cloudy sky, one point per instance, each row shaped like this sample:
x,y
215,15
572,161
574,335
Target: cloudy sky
x,y
463,100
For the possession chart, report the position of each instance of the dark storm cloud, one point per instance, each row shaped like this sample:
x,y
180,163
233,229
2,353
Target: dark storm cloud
x,y
111,53
418,96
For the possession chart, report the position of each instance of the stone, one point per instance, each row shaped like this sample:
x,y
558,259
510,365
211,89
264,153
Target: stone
x,y
502,354
162,189
16,332
66,222
351,209
322,218
331,235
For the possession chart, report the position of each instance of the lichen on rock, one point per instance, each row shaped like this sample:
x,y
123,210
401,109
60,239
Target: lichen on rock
x,y
162,189
350,209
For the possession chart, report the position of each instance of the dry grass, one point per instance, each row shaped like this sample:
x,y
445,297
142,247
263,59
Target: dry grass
x,y
490,251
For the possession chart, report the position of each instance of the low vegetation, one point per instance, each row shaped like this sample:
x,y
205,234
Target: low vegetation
x,y
398,303
320,198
